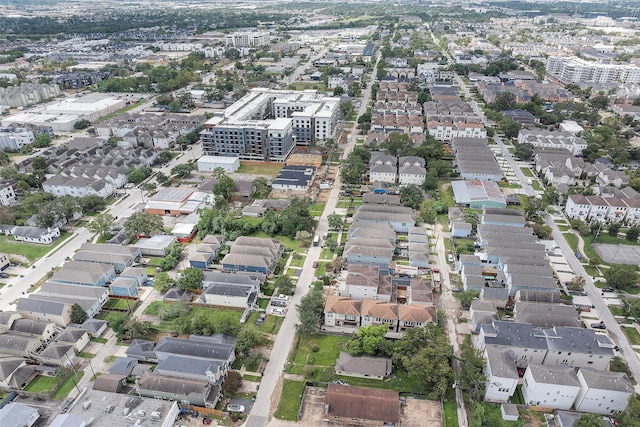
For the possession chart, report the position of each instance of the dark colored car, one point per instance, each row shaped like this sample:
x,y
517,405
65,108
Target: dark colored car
x,y
599,325
260,320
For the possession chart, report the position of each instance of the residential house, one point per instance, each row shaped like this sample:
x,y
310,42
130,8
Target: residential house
x,y
577,347
363,250
253,255
237,295
111,383
77,337
379,313
95,327
212,371
8,192
383,173
415,316
192,392
25,233
90,298
603,392
19,345
502,375
550,386
40,329
155,246
363,366
139,274
546,315
142,350
124,287
15,373
60,185
350,405
412,175
18,415
123,366
401,218
200,347
342,312
38,309
120,257
87,276
57,354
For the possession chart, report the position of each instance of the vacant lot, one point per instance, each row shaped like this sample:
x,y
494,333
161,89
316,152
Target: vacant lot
x,y
31,251
259,168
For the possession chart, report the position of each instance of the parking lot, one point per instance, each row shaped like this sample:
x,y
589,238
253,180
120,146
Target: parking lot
x,y
278,305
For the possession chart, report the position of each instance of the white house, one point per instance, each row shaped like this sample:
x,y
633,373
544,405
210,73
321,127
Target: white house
x,y
60,185
7,192
550,386
412,175
34,234
502,375
382,173
603,392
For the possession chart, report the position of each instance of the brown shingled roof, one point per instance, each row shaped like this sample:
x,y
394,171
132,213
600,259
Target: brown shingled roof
x,y
363,403
342,305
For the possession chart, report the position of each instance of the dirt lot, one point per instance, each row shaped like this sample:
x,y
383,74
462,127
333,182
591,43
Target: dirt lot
x,y
419,413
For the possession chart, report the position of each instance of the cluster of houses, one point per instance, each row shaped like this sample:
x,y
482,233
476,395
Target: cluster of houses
x,y
605,208
405,170
149,130
449,118
88,166
189,370
524,87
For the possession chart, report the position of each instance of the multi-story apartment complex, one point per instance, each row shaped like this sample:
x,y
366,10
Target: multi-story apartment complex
x,y
266,124
574,70
247,39
596,208
14,138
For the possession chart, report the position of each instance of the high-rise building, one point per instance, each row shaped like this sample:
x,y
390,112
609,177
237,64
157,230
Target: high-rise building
x,y
265,124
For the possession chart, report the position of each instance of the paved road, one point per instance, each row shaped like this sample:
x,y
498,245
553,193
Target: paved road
x,y
265,399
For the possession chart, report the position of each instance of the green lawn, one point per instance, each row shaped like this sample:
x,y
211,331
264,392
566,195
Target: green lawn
x,y
288,243
156,262
322,269
399,381
632,335
329,347
527,172
31,251
120,304
260,168
290,400
210,315
446,195
292,271
563,227
263,303
297,260
271,324
86,355
98,339
572,240
343,205
41,384
450,415
252,378
316,209
326,254
536,185
66,387
606,238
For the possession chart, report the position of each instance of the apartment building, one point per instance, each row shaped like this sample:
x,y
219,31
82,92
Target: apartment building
x,y
247,39
597,208
574,70
265,124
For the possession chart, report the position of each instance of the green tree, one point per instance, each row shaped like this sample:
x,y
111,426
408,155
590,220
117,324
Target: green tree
x,y
284,284
631,416
78,315
245,341
633,233
137,175
310,309
467,297
191,279
261,188
296,217
613,229
524,151
504,101
143,224
92,203
472,377
164,157
411,196
233,381
427,211
162,282
42,141
161,178
4,158
335,221
101,224
224,186
368,340
620,276
338,91
352,169
182,171
534,208
590,420
304,237
425,354
346,109
82,124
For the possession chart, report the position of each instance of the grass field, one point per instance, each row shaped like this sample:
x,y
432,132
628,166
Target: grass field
x,y
527,172
212,316
290,400
326,254
31,251
536,185
86,355
288,243
297,261
329,349
67,386
316,209
253,378
120,304
41,384
632,335
259,168
450,416
271,324
572,240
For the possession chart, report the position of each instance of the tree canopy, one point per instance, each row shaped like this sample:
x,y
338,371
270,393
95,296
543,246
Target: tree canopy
x,y
143,224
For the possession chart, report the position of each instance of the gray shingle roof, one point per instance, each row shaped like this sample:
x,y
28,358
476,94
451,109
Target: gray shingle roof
x,y
33,304
606,380
558,375
501,363
194,348
176,365
363,365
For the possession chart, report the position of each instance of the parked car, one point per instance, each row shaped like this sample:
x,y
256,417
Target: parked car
x,y
315,264
599,325
279,311
206,420
260,320
608,290
234,407
586,308
277,303
4,275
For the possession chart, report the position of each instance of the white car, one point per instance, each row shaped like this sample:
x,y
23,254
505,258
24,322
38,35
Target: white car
x,y
278,311
234,407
